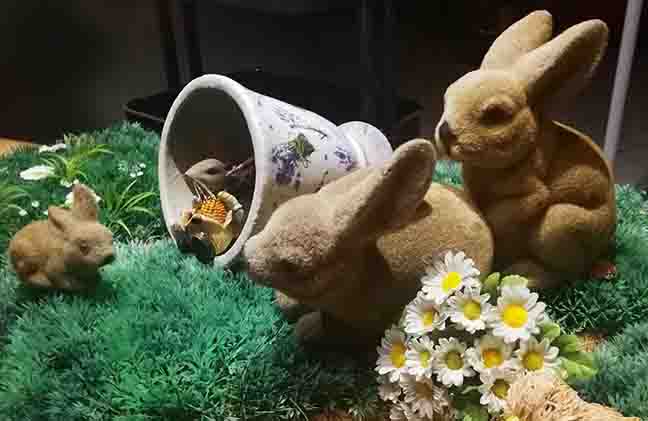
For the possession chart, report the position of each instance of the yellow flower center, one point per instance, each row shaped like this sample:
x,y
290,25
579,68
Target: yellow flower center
x,y
500,388
428,317
397,355
425,359
515,315
451,281
454,361
472,310
492,357
533,361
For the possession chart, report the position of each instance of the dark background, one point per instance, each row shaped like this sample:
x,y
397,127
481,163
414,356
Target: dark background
x,y
73,65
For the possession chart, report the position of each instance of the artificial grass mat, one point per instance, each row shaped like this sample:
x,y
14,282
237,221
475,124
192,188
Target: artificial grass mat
x,y
167,338
622,379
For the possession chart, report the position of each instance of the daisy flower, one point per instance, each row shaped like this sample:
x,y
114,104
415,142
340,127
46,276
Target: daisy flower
x,y
422,396
517,315
22,212
491,353
537,356
391,354
423,316
388,391
450,363
494,390
449,275
418,357
35,204
469,309
37,172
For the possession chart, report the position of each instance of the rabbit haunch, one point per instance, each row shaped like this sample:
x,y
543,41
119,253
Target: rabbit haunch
x,y
354,252
545,189
66,250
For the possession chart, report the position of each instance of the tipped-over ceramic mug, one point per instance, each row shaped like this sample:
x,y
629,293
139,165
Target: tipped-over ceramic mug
x,y
295,151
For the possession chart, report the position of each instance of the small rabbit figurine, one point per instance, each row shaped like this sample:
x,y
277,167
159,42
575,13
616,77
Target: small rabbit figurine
x,y
545,189
355,251
65,251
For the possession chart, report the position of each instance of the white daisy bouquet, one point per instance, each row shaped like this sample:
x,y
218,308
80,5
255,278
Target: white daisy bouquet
x,y
464,340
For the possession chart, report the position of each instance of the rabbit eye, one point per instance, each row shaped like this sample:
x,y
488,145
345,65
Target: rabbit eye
x,y
84,248
496,113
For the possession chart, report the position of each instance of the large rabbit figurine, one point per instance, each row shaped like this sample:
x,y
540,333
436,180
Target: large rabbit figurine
x,y
66,250
355,251
545,189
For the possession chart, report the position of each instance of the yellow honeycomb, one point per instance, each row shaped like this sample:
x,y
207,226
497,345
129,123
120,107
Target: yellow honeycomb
x,y
213,208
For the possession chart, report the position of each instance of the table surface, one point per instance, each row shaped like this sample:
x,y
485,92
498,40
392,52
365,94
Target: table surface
x,y
7,145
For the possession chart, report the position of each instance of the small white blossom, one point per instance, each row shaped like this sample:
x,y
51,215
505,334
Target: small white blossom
x,y
37,172
53,148
452,273
517,314
35,204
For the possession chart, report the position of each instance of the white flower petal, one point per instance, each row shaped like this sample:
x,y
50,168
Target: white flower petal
x,y
37,172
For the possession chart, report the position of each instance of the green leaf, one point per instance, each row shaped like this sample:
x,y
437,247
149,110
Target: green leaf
x,y
550,330
568,344
578,369
491,283
514,280
475,412
140,209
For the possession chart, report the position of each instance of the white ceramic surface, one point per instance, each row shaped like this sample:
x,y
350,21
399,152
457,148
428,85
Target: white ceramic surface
x,y
295,151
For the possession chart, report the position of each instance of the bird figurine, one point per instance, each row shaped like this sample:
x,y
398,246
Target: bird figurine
x,y
215,219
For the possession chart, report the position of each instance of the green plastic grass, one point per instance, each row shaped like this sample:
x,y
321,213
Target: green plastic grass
x,y
622,380
167,338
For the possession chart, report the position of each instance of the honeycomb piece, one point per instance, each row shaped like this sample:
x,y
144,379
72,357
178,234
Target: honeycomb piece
x,y
213,208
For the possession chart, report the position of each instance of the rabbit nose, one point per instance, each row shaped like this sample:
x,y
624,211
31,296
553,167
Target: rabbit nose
x,y
444,133
109,259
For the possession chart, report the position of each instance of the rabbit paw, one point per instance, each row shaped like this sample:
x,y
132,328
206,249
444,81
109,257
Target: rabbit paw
x,y
291,308
538,276
181,237
310,329
570,238
38,280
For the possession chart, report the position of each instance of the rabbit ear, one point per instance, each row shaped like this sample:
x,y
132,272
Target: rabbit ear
x,y
59,217
85,204
388,197
563,66
523,36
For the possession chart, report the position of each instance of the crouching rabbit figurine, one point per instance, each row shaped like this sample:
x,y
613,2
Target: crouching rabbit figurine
x,y
66,250
355,252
